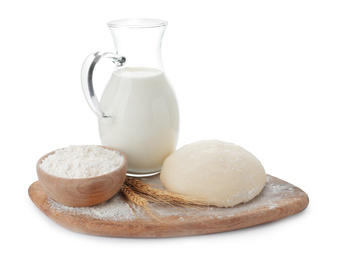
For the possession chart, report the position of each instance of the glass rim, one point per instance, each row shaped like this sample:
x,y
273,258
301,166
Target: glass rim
x,y
137,23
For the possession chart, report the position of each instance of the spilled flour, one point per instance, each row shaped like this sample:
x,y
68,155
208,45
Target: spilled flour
x,y
118,209
115,209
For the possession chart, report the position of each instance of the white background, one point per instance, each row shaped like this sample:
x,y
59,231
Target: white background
x,y
261,74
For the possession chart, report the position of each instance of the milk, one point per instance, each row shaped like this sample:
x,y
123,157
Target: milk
x,y
144,117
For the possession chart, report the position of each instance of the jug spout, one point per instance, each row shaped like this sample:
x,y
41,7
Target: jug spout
x,y
139,40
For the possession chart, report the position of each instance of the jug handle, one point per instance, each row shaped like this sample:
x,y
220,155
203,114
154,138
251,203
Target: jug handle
x,y
87,78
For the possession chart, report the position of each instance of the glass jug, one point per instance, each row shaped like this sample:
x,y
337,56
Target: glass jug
x,y
138,111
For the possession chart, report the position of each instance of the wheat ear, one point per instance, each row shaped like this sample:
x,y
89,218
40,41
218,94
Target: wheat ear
x,y
138,200
164,196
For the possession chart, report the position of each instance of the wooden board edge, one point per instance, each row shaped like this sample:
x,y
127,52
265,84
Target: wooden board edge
x,y
136,229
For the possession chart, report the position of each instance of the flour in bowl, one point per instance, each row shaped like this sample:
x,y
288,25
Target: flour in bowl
x,y
82,161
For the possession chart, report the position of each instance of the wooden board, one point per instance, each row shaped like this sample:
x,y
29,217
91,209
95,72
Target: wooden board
x,y
118,218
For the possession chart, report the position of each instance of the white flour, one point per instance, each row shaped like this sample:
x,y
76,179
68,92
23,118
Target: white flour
x,y
114,209
81,161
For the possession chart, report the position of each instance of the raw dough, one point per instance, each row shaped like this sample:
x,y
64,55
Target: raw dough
x,y
222,174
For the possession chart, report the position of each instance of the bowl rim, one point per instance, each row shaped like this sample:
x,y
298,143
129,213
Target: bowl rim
x,y
116,171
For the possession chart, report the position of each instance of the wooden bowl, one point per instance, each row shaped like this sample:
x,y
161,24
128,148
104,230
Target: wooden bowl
x,y
82,192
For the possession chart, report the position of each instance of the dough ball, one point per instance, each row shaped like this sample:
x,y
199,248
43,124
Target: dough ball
x,y
222,174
